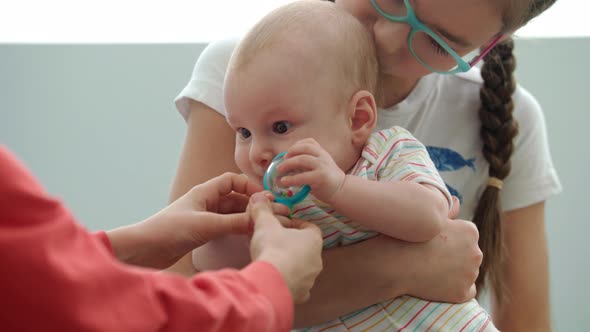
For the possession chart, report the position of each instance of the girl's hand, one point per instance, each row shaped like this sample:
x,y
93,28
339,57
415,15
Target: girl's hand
x,y
449,262
316,166
443,269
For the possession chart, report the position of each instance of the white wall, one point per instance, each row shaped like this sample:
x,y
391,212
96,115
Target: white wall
x,y
556,72
97,125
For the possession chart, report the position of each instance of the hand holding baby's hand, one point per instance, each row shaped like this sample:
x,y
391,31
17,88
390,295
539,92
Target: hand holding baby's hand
x,y
317,169
293,246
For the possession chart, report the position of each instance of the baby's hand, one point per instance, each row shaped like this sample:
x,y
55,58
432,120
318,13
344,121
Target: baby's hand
x,y
316,168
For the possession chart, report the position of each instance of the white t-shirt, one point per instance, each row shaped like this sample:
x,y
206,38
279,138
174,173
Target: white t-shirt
x,y
441,112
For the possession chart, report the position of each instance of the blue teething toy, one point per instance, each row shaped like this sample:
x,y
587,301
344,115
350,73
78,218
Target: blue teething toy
x,y
287,196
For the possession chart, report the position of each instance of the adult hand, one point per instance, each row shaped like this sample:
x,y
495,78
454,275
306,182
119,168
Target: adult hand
x,y
447,266
293,246
208,211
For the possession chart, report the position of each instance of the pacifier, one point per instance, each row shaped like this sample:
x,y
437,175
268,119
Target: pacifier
x,y
288,196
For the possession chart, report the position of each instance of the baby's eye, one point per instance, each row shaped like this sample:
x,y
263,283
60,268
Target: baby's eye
x,y
281,127
245,133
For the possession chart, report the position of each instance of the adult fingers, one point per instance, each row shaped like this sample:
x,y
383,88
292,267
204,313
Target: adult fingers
x,y
288,222
310,228
224,224
261,211
233,203
207,196
454,211
210,226
297,224
228,182
280,209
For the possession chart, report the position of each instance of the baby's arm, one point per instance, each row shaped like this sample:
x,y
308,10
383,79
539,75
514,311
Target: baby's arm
x,y
408,200
404,210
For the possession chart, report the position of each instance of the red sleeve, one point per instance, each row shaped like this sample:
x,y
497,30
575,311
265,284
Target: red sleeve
x,y
58,277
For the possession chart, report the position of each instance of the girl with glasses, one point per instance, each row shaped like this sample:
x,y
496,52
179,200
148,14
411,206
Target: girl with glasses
x,y
485,134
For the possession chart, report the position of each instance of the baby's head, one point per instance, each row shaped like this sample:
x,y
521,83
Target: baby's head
x,y
306,70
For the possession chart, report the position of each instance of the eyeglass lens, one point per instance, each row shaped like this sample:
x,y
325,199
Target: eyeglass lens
x,y
426,48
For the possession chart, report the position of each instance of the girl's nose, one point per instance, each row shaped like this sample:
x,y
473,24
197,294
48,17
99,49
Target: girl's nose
x,y
390,36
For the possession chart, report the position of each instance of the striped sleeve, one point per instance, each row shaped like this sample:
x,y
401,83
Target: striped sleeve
x,y
399,156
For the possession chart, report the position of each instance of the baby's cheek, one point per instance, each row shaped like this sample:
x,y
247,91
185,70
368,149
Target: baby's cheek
x,y
242,160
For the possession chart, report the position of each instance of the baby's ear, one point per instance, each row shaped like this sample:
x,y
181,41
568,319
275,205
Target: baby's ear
x,y
362,116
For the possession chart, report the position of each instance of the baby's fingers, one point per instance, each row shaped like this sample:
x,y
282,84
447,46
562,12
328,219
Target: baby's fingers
x,y
300,179
302,162
307,146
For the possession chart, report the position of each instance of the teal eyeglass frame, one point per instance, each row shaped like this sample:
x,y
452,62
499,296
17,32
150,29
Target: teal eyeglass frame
x,y
417,26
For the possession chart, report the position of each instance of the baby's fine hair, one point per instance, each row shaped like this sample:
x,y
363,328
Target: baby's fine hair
x,y
346,49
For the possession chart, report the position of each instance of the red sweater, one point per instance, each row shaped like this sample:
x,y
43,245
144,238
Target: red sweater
x,y
56,276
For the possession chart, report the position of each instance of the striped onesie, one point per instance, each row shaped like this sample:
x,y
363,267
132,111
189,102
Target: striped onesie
x,y
391,155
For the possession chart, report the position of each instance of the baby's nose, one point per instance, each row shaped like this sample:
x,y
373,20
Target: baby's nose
x,y
263,158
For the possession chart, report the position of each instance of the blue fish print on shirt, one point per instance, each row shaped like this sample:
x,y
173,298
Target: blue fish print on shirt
x,y
447,160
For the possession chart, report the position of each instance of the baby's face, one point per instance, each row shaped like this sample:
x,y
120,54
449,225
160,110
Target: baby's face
x,y
277,100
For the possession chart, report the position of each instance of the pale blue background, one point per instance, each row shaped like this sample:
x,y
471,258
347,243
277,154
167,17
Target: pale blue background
x,y
97,125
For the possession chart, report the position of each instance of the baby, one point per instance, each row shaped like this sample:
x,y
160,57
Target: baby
x,y
303,81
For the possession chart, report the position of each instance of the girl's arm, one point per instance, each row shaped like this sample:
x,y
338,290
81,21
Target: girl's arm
x,y
207,152
443,269
526,305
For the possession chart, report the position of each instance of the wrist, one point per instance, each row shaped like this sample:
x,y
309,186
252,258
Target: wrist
x,y
281,264
394,278
409,276
384,281
141,244
160,241
124,242
338,194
